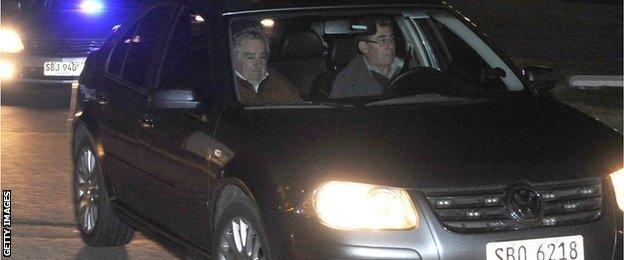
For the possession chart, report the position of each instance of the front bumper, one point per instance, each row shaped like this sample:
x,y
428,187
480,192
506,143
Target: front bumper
x,y
29,68
311,240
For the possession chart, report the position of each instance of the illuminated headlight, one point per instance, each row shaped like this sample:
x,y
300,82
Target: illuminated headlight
x,y
7,70
617,178
10,42
355,206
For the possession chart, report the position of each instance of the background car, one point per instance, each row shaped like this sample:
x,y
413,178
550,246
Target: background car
x,y
48,41
462,157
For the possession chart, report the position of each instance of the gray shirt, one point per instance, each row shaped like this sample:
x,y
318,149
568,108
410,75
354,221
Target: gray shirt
x,y
356,79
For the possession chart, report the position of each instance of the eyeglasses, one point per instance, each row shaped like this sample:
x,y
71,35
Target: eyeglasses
x,y
383,41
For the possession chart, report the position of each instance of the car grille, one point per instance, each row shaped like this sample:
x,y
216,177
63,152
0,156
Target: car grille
x,y
485,209
76,47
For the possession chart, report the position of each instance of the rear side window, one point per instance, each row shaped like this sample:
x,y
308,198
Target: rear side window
x,y
186,64
118,56
144,53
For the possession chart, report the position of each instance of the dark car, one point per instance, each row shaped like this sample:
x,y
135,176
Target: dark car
x,y
48,41
460,156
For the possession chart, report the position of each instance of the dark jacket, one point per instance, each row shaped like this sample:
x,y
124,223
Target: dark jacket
x,y
357,80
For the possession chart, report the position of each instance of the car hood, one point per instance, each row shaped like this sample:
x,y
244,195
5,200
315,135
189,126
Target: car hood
x,y
67,24
438,145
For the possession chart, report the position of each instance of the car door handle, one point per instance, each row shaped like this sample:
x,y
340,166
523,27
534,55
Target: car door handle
x,y
147,122
102,98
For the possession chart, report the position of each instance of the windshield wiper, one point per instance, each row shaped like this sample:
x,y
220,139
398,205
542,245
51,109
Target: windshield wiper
x,y
418,98
305,104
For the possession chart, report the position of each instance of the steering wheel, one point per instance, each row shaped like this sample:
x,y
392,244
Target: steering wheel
x,y
422,80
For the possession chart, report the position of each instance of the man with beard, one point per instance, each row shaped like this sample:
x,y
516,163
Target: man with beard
x,y
369,73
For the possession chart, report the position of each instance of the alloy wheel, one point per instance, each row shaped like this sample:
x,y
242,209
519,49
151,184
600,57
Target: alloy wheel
x,y
240,240
87,190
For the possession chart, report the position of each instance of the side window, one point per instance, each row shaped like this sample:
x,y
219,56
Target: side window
x,y
456,57
118,56
186,63
144,54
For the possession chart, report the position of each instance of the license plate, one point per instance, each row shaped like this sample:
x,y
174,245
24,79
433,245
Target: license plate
x,y
62,68
559,248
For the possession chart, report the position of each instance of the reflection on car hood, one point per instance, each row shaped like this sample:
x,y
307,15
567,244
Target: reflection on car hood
x,y
69,24
437,145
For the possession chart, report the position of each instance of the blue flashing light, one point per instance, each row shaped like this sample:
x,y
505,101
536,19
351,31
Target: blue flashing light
x,y
91,6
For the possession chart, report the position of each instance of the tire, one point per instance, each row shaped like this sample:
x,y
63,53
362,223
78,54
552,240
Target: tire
x,y
97,223
239,232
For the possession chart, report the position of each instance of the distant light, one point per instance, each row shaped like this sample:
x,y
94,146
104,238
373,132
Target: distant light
x,y
10,41
91,6
133,39
267,22
7,70
116,27
198,18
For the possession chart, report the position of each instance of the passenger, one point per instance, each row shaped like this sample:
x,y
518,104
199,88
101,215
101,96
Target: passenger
x,y
255,82
369,73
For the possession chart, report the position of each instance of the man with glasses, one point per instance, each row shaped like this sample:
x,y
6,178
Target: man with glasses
x,y
370,72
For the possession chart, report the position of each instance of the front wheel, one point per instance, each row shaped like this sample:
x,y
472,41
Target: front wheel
x,y
239,233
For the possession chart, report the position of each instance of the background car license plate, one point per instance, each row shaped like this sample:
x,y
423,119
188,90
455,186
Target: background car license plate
x,y
568,248
62,68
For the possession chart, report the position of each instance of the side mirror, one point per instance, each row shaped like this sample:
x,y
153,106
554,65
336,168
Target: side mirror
x,y
174,99
543,78
490,76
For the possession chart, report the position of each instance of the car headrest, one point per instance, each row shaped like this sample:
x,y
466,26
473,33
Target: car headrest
x,y
341,51
302,45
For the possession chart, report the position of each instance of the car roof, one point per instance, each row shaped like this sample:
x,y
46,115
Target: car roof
x,y
244,6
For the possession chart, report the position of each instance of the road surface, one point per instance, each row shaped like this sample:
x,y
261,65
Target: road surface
x,y
36,167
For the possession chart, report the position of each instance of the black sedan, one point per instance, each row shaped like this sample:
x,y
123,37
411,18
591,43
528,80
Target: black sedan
x,y
222,130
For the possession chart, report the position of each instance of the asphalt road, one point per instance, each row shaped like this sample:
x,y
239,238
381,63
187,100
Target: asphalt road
x,y
36,167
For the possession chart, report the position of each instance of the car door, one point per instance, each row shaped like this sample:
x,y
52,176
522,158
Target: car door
x,y
123,99
179,143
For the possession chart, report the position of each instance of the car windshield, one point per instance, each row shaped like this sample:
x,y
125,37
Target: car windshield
x,y
393,57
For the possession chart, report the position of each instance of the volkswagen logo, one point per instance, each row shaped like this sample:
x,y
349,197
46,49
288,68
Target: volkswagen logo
x,y
524,204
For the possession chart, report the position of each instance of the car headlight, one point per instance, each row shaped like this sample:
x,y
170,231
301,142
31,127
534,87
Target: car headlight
x,y
617,179
10,41
7,70
354,206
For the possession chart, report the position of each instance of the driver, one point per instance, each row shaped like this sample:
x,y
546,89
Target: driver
x,y
374,68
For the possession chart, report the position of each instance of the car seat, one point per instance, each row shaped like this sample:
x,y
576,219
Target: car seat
x,y
342,50
300,58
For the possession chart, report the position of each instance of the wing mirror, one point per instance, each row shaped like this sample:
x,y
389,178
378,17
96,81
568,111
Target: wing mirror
x,y
543,78
174,99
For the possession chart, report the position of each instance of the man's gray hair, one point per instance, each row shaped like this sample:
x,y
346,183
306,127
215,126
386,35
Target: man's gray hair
x,y
249,33
381,21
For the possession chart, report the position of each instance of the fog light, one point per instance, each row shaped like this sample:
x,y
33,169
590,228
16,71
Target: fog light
x,y
7,71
